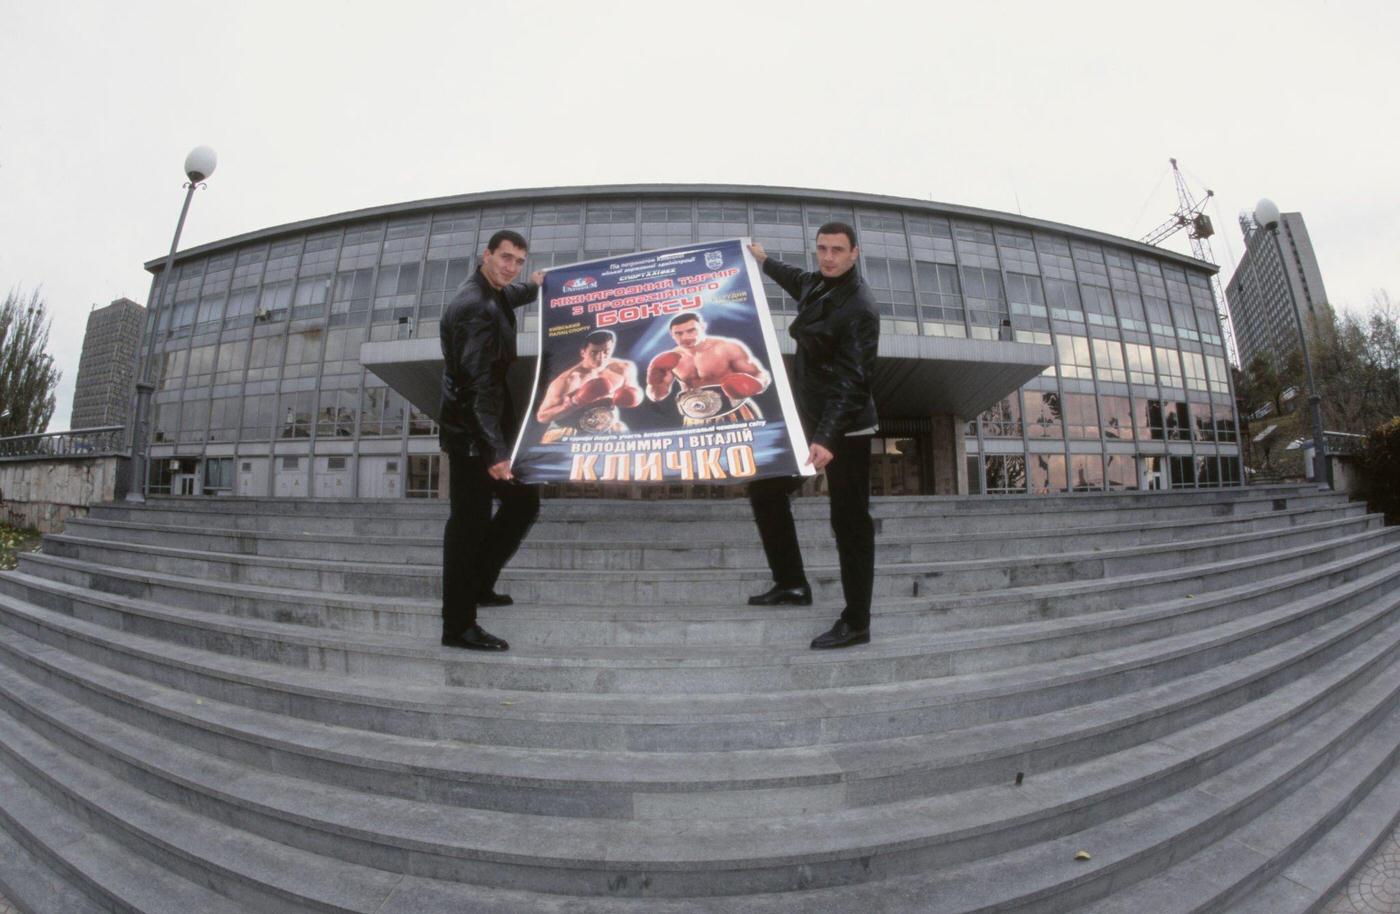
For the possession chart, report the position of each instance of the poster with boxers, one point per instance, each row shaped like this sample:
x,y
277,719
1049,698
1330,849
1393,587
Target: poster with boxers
x,y
659,367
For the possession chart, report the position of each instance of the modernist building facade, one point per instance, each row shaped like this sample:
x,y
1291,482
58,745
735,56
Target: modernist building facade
x,y
102,392
1264,288
1017,355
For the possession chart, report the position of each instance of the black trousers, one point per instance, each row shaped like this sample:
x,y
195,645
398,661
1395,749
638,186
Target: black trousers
x,y
476,545
848,478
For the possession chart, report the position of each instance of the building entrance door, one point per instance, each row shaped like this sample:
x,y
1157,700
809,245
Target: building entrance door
x,y
895,466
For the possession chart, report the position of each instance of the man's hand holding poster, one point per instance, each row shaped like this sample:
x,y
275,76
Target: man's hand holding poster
x,y
660,366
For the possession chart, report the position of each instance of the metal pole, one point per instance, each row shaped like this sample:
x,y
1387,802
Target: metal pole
x,y
140,436
1322,468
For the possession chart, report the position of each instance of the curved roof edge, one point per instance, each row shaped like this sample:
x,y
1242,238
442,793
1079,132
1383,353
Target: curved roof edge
x,y
155,265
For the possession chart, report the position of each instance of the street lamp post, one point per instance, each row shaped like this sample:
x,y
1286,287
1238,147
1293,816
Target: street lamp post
x,y
199,164
1266,215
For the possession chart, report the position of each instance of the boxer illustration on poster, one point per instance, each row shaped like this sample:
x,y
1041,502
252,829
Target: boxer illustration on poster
x,y
713,404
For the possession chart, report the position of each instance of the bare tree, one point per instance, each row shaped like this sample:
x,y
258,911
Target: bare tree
x,y
27,373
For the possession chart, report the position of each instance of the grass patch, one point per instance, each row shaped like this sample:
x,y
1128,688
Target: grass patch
x,y
13,541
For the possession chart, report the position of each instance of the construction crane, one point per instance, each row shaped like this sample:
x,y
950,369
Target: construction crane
x,y
1190,214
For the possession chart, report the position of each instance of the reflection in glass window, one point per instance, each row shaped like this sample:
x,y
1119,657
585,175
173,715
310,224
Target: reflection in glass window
x,y
257,417
1025,295
1168,368
232,359
1203,423
940,298
423,472
1108,361
297,410
381,413
1195,368
986,307
1006,474
1086,472
1218,374
1047,474
1120,472
1117,418
224,413
1098,305
1063,298
1074,356
1139,363
336,416
310,298
1042,415
1081,415
350,304
1183,472
275,302
419,423
1003,420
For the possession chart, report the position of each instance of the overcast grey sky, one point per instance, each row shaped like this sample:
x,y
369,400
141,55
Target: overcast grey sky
x,y
1063,111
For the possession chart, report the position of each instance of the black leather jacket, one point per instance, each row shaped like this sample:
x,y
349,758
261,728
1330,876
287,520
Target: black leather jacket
x,y
477,330
837,330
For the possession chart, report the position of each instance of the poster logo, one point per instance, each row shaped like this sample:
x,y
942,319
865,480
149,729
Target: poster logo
x,y
580,283
714,259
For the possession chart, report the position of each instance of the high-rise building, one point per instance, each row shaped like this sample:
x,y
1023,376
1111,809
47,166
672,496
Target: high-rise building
x,y
1260,306
102,394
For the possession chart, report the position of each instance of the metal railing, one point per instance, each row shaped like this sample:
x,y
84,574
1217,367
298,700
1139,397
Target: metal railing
x,y
84,442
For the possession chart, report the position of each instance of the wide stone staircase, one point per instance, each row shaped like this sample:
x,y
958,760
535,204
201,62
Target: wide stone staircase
x,y
240,705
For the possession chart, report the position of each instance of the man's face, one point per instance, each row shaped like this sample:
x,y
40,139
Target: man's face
x,y
595,355
836,254
689,334
501,266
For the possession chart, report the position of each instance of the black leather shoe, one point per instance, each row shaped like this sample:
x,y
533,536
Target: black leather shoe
x,y
491,598
475,638
841,635
800,595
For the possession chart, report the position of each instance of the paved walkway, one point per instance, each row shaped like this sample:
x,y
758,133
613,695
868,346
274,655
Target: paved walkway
x,y
1375,889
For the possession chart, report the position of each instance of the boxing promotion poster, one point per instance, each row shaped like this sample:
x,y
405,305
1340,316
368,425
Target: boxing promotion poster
x,y
659,367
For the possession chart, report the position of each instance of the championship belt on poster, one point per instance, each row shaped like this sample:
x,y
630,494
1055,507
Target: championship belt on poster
x,y
660,366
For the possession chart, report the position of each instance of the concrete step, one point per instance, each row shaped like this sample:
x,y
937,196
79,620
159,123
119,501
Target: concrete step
x,y
34,886
669,668
64,864
127,847
1321,869
670,722
999,839
566,624
668,586
717,520
625,784
737,550
1302,833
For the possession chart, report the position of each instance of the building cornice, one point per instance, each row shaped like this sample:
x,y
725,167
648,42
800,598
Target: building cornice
x,y
748,191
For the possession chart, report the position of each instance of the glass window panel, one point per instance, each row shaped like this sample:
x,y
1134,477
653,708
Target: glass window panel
x,y
1047,473
1081,415
1117,413
1042,414
1003,420
1086,472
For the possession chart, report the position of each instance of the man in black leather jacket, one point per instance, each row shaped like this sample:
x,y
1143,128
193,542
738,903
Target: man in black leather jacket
x,y
837,330
478,424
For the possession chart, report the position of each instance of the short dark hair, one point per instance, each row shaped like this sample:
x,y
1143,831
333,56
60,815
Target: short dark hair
x,y
599,338
684,317
514,238
839,228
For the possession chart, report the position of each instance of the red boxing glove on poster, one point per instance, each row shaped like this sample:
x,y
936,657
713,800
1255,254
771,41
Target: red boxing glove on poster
x,y
738,385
